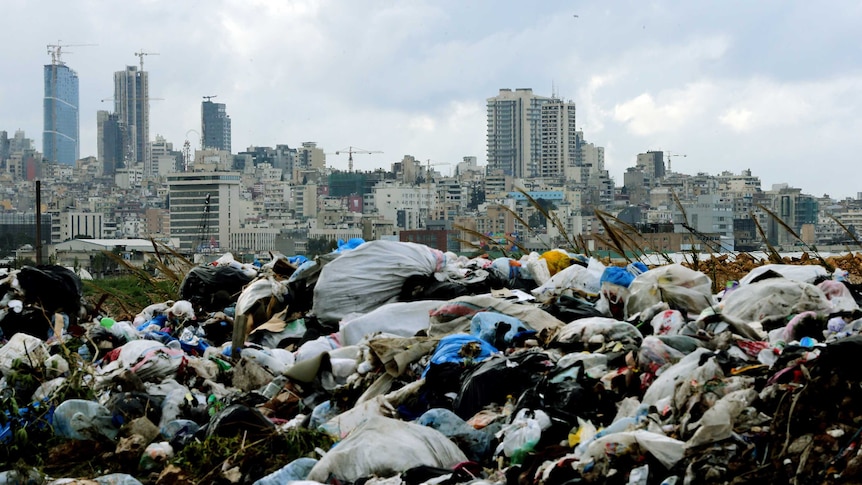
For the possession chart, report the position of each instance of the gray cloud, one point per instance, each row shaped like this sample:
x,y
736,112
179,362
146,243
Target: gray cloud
x,y
772,86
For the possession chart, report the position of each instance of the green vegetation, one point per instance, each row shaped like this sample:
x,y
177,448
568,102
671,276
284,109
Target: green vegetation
x,y
203,459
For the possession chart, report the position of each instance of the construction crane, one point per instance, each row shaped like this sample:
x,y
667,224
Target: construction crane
x,y
670,156
350,151
208,98
203,227
56,51
141,55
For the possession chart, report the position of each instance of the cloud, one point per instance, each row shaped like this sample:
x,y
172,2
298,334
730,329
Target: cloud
x,y
673,109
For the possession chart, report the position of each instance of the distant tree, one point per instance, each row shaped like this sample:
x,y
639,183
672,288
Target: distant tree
x,y
21,262
319,245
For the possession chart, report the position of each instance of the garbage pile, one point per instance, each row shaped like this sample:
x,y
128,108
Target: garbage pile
x,y
387,363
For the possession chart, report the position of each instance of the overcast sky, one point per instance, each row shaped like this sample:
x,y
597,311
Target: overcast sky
x,y
774,86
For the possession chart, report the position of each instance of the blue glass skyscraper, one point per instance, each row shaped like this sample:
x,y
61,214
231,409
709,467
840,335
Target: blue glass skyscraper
x,y
61,133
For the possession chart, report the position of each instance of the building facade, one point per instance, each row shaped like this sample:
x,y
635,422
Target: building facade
x,y
215,126
514,143
132,106
204,209
109,141
559,139
61,122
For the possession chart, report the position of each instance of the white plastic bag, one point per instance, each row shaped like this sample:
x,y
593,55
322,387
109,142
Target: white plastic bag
x,y
675,284
371,275
27,349
386,446
403,319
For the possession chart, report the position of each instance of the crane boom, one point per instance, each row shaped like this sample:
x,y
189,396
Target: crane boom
x,y
56,51
141,55
350,151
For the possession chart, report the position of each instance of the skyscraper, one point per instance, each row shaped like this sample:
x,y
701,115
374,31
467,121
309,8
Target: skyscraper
x,y
514,140
61,130
215,126
559,139
109,141
132,106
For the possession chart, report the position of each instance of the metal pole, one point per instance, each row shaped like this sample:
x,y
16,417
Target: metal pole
x,y
38,223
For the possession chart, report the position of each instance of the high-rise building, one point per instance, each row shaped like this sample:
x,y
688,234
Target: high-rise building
x,y
132,106
204,208
109,141
514,140
61,129
652,163
559,139
215,126
4,146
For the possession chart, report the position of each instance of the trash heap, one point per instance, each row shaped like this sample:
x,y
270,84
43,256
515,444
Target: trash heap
x,y
387,362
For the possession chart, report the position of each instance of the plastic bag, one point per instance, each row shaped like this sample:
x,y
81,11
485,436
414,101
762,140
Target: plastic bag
x,y
403,319
486,326
575,277
260,288
364,278
26,349
519,438
385,446
586,330
80,419
668,322
294,471
774,297
803,273
681,287
667,451
716,423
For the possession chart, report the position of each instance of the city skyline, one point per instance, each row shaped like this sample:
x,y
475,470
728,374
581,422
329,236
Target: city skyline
x,y
733,88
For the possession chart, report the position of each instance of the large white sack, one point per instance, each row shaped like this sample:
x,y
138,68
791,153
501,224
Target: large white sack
x,y
403,319
808,273
371,275
385,447
774,297
682,288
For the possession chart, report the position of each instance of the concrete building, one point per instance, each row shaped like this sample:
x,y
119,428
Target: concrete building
x,y
60,137
652,164
204,208
215,126
109,141
165,159
132,106
514,143
558,139
75,224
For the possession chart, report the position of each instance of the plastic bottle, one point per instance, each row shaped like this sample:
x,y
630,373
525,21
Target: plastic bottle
x,y
509,407
274,387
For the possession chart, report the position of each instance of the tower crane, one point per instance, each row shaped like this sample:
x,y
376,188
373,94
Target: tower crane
x,y
670,156
203,227
56,51
209,98
350,151
141,55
